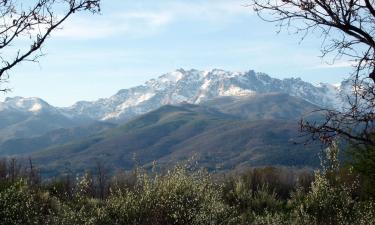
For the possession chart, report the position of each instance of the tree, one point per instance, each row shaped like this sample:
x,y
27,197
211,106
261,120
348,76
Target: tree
x,y
363,162
102,179
26,25
347,30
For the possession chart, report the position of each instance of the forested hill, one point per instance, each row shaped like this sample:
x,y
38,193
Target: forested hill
x,y
217,135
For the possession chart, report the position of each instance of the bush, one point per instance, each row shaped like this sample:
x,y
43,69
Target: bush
x,y
175,198
182,197
331,200
21,205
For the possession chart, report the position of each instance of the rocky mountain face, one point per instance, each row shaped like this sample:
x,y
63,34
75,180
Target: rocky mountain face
x,y
193,86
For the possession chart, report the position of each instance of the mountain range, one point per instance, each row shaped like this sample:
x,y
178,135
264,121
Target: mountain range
x,y
194,87
189,86
31,117
224,119
222,139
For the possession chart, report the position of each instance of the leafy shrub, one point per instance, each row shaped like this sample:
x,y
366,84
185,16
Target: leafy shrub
x,y
182,197
175,198
20,205
330,200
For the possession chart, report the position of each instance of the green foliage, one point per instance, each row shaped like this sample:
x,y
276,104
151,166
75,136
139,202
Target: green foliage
x,y
331,200
362,160
325,204
21,205
176,198
248,201
260,196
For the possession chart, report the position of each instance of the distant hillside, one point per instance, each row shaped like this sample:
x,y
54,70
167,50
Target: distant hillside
x,y
31,117
218,139
272,106
17,146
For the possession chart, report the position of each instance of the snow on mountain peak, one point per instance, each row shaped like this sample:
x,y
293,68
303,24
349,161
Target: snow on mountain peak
x,y
173,77
36,107
194,86
236,91
183,86
25,104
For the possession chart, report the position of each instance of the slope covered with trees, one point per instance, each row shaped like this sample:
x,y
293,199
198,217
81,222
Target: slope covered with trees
x,y
218,136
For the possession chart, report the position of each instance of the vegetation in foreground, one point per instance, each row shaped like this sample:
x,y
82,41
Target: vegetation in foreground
x,y
181,196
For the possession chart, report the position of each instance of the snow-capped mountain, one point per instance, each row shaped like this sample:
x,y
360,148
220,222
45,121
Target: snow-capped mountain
x,y
193,86
29,117
19,104
180,86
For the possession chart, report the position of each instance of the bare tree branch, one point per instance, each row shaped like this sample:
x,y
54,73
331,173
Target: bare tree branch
x,y
32,22
347,28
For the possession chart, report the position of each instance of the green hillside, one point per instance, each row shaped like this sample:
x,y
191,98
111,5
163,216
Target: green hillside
x,y
217,140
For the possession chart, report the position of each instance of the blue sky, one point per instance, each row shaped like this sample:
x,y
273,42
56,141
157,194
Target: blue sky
x,y
94,56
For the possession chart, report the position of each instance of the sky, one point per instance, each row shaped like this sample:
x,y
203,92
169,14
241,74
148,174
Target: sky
x,y
130,42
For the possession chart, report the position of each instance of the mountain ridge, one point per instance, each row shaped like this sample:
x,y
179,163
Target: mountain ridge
x,y
191,86
30,117
194,86
219,139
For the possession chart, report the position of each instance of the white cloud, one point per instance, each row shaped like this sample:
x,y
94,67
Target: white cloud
x,y
219,10
335,65
153,19
150,20
132,23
